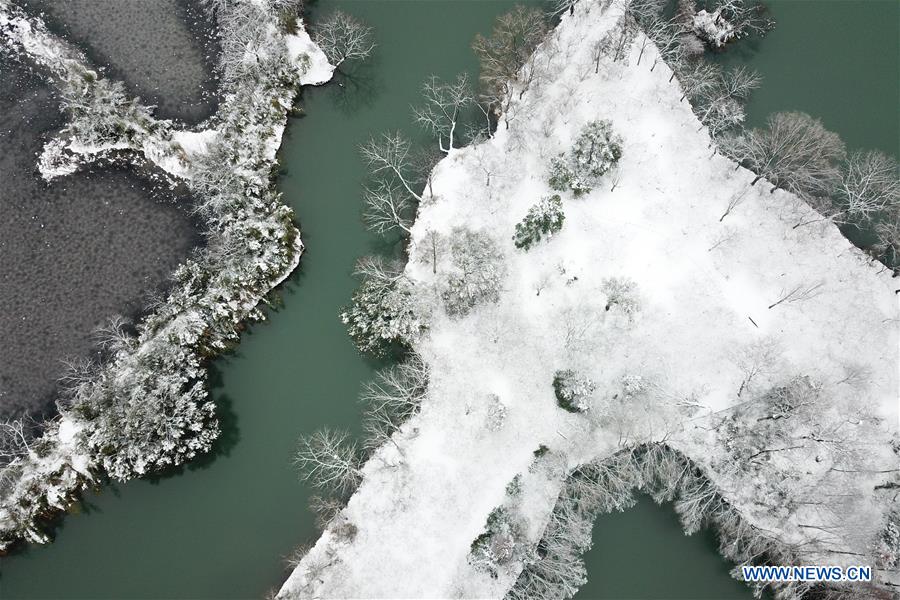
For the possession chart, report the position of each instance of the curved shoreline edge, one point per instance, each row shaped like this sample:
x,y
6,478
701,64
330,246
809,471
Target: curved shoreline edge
x,y
147,408
435,490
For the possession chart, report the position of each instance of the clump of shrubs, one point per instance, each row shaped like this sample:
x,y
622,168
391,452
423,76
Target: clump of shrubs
x,y
621,292
496,413
597,149
573,391
477,272
543,219
381,315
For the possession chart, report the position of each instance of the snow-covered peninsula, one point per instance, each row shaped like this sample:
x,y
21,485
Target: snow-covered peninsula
x,y
670,328
147,407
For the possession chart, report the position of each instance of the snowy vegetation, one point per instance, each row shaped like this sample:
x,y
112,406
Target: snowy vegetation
x,y
573,391
595,152
725,354
146,407
543,219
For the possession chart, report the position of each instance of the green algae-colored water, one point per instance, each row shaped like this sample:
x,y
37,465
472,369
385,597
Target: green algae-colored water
x,y
219,529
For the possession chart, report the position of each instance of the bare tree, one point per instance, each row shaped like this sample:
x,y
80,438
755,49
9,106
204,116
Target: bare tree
x,y
325,508
559,7
388,207
656,31
719,105
698,78
14,440
343,37
867,185
391,156
798,293
795,152
329,460
754,360
379,272
667,36
434,244
514,37
443,104
113,335
888,232
393,397
733,202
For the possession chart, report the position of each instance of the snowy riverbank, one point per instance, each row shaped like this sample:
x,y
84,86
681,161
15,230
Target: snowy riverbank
x,y
146,407
766,354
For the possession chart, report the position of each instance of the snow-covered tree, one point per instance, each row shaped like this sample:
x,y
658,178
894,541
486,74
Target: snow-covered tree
x,y
343,37
573,390
503,542
622,293
887,549
444,103
478,271
597,149
726,20
795,152
382,312
501,56
543,219
328,459
496,413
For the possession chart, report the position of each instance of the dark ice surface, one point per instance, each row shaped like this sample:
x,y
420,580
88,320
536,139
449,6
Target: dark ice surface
x,y
73,252
164,51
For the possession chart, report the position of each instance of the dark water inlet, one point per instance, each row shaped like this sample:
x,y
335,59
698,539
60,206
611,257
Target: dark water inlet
x,y
219,528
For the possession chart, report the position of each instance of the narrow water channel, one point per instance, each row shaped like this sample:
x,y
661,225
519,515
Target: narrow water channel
x,y
219,528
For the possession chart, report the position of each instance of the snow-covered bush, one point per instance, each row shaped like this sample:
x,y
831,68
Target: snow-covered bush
x,y
597,149
478,271
573,390
503,542
621,292
887,550
633,386
543,219
713,28
496,413
382,314
724,21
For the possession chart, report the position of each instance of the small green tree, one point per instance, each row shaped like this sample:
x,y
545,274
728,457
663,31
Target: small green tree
x,y
543,219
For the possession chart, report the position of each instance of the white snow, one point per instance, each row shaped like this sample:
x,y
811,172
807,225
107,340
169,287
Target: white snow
x,y
300,49
700,282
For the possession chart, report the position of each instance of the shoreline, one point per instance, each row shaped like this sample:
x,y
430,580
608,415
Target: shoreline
x,y
213,296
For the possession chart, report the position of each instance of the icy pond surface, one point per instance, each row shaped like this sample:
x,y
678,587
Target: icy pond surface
x,y
163,51
72,253
219,528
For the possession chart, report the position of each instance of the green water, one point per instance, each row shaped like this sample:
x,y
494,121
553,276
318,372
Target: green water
x,y
838,60
219,529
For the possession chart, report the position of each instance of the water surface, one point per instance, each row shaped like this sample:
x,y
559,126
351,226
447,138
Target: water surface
x,y
219,528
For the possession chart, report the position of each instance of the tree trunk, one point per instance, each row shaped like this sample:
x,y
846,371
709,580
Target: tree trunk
x,y
757,178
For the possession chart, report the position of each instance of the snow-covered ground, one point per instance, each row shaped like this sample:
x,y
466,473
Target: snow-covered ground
x,y
704,346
